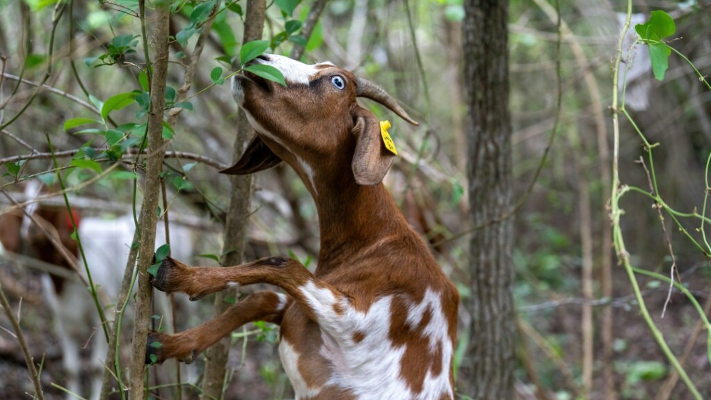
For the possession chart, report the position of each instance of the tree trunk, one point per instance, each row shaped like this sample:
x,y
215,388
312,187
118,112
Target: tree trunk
x,y
149,216
487,371
237,223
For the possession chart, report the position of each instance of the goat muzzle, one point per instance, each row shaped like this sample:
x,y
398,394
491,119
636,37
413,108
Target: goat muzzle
x,y
374,92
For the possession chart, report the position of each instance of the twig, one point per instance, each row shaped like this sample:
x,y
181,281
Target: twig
x,y
55,91
61,192
308,26
673,378
51,236
673,268
69,153
20,141
57,15
23,345
92,288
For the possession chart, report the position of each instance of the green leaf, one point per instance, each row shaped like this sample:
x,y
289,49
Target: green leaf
x,y
154,358
267,72
316,38
235,8
230,300
189,166
183,36
14,168
298,39
156,344
113,136
169,93
162,252
210,256
287,6
252,50
184,104
143,80
227,37
215,74
123,175
659,27
34,60
74,236
96,102
292,26
48,178
168,131
201,12
182,184
90,131
224,59
153,269
74,122
117,102
659,54
87,164
90,60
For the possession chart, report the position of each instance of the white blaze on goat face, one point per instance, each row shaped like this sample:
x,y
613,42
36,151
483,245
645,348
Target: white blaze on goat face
x,y
293,71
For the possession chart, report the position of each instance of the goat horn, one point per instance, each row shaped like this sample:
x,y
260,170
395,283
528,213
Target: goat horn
x,y
372,91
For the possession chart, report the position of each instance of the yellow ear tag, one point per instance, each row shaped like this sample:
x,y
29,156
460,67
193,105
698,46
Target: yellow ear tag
x,y
389,144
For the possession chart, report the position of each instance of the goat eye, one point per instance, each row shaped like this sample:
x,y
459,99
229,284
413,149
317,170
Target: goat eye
x,y
338,82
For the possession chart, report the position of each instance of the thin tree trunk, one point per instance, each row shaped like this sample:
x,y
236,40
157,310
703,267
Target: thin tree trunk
x,y
151,192
490,358
237,222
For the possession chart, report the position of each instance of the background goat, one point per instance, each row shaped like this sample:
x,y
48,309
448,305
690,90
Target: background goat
x,y
106,244
377,319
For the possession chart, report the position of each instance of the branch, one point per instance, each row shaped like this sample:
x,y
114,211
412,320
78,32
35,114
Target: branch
x,y
55,91
23,345
69,153
237,219
307,28
149,216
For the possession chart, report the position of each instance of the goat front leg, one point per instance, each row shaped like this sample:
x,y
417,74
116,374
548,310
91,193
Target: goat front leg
x,y
320,301
260,306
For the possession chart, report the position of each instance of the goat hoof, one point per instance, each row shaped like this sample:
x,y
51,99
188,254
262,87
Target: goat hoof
x,y
189,359
154,342
161,280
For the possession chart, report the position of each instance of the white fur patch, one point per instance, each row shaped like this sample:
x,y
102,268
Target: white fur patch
x,y
283,301
293,71
237,91
371,368
290,361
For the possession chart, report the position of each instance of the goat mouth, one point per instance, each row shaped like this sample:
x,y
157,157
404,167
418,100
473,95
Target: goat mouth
x,y
261,82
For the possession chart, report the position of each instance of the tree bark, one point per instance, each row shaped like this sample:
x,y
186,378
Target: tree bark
x,y
487,372
237,221
149,207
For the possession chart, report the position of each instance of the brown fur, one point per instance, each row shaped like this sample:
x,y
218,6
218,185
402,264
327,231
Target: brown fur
x,y
368,250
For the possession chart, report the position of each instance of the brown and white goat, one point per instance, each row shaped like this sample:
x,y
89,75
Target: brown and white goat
x,y
377,319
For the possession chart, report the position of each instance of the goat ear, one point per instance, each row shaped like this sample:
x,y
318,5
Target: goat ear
x,y
257,157
371,160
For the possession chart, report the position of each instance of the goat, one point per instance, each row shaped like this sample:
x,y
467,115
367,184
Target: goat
x,y
377,319
106,243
